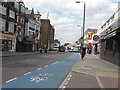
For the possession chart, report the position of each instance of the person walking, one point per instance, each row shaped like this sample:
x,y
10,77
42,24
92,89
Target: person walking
x,y
82,54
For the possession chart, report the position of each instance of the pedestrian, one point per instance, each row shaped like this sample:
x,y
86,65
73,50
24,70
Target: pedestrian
x,y
82,54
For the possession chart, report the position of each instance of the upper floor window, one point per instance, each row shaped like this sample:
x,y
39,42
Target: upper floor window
x,y
3,10
38,27
31,34
16,5
22,20
11,27
17,18
2,25
30,24
12,14
22,9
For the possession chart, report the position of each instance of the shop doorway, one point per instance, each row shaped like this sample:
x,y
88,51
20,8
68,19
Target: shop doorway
x,y
6,45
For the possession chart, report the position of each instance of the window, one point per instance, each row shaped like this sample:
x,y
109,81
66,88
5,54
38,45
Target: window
x,y
16,5
2,10
22,9
2,25
22,20
38,27
11,27
30,24
11,14
17,18
31,34
22,31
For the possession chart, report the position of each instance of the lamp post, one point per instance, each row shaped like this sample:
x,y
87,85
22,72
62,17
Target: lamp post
x,y
82,44
80,29
83,18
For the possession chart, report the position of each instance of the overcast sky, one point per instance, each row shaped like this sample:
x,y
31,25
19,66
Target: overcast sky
x,y
66,15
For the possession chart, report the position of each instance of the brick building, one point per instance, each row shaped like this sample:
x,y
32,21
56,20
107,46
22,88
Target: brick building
x,y
47,33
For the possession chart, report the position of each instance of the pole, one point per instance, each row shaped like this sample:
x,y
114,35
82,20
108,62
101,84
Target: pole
x,y
83,23
81,31
83,53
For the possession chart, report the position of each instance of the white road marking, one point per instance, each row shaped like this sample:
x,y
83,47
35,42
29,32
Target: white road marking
x,y
27,73
64,86
54,63
46,66
9,63
99,82
70,76
11,80
28,59
68,79
66,83
38,68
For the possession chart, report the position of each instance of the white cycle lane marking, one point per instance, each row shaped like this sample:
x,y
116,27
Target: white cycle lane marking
x,y
10,80
40,77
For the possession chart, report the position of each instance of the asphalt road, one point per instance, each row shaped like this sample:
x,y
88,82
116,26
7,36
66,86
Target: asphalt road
x,y
18,66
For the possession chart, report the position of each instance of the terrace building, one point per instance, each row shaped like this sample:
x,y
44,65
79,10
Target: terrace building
x,y
32,30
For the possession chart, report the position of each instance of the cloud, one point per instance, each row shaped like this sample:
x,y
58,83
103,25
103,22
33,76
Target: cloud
x,y
66,15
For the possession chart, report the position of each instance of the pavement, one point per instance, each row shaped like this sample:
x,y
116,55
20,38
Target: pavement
x,y
92,73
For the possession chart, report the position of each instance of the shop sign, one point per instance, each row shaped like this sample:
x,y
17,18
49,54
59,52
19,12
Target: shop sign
x,y
96,38
7,35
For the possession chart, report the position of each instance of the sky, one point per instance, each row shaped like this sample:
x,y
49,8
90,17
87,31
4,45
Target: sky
x,y
66,15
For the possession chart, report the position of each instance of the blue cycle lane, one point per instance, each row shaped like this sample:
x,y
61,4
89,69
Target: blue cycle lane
x,y
48,77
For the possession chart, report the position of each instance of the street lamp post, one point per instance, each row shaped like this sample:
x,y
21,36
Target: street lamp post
x,y
83,18
80,29
82,44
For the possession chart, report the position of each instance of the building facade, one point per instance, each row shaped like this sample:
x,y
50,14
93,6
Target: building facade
x,y
47,33
7,29
88,39
19,27
32,32
110,39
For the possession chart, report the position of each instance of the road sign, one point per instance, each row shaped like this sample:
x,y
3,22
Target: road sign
x,y
96,38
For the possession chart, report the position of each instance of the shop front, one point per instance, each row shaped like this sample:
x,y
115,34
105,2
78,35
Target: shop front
x,y
110,44
8,42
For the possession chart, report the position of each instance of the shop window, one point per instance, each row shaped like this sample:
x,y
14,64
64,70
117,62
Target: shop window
x,y
2,25
11,27
6,45
11,14
2,10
